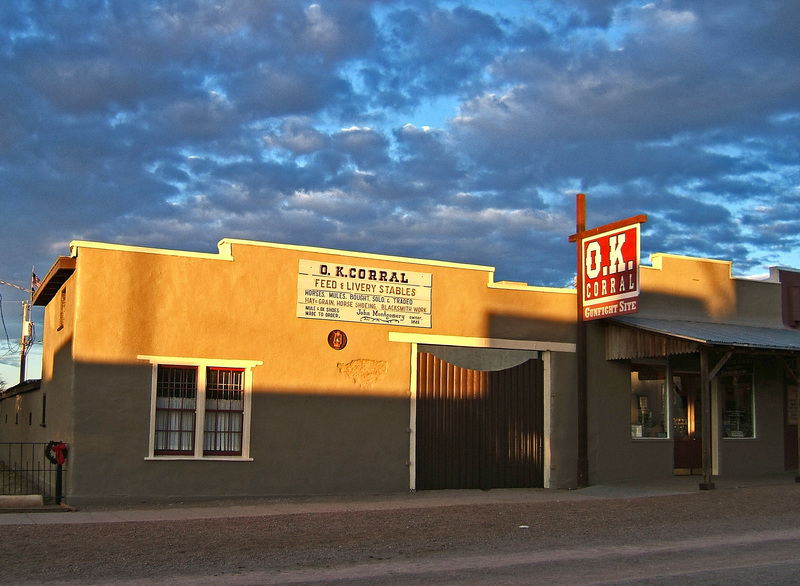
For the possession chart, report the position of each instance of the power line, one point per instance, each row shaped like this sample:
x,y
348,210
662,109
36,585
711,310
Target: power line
x,y
3,319
15,286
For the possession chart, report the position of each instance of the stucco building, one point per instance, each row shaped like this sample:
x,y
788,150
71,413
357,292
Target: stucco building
x,y
269,369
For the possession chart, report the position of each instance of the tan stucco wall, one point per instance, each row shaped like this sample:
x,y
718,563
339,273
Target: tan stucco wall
x,y
327,421
613,455
762,454
46,414
563,437
245,309
21,417
319,423
686,288
58,407
58,374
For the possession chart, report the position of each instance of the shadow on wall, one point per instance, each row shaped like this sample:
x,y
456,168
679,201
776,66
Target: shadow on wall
x,y
683,288
302,443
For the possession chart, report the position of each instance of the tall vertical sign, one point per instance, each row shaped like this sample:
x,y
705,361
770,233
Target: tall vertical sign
x,y
607,284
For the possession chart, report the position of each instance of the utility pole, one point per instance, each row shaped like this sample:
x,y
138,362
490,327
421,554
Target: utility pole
x,y
27,325
26,340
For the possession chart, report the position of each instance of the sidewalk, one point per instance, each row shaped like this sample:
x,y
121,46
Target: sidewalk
x,y
328,504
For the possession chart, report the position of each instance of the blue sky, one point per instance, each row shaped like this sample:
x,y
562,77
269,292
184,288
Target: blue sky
x,y
446,130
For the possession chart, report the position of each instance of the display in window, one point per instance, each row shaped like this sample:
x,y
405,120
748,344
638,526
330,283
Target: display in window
x,y
648,404
736,388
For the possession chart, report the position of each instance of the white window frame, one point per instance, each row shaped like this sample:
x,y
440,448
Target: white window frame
x,y
202,365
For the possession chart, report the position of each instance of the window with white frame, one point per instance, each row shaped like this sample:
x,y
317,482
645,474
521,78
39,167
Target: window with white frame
x,y
176,401
224,411
200,408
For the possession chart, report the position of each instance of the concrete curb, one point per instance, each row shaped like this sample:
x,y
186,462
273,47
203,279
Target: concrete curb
x,y
21,501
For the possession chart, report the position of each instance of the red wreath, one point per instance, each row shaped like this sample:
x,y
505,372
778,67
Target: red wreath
x,y
56,452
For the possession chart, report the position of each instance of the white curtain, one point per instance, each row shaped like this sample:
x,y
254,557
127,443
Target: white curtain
x,y
223,425
174,423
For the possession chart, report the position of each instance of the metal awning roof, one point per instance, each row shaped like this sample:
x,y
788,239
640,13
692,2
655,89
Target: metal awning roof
x,y
716,334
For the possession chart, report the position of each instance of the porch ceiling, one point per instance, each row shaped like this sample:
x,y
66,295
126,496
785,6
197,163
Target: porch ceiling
x,y
61,270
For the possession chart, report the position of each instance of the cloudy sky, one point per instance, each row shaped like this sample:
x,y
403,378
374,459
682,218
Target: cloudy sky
x,y
447,130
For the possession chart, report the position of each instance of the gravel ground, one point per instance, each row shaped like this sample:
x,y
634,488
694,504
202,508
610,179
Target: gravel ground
x,y
235,547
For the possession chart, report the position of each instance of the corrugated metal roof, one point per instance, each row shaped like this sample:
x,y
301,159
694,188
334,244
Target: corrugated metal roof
x,y
717,334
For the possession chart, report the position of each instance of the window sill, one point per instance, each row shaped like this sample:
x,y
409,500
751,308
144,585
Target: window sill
x,y
201,459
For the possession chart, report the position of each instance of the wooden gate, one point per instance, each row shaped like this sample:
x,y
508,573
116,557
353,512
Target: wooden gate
x,y
478,429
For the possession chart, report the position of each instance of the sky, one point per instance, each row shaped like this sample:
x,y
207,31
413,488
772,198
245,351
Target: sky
x,y
456,131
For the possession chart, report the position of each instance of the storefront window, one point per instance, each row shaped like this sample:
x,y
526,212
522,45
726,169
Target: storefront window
x,y
736,387
648,400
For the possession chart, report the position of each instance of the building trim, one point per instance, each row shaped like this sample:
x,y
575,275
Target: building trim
x,y
361,255
500,343
21,388
223,254
55,278
657,258
519,286
547,425
199,459
193,361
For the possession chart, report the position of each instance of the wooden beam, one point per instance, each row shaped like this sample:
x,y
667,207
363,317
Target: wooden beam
x,y
580,347
719,365
705,399
580,234
791,373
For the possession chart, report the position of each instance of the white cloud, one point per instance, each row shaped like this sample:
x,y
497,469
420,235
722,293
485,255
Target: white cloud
x,y
435,130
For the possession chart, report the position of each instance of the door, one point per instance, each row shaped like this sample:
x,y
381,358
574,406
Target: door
x,y
790,459
477,428
686,423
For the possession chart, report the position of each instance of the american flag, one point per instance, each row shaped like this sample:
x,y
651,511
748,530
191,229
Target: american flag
x,y
35,282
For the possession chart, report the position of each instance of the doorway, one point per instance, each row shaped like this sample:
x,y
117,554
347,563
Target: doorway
x,y
687,424
478,428
790,459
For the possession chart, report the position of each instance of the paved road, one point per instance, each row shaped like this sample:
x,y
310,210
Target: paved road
x,y
768,557
601,536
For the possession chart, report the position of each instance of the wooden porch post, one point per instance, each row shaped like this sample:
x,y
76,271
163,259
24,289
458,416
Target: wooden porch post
x,y
792,374
705,399
795,374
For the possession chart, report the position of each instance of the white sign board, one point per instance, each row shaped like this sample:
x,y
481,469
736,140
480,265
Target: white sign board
x,y
339,292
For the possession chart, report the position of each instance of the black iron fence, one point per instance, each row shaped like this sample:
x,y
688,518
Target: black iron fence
x,y
26,468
